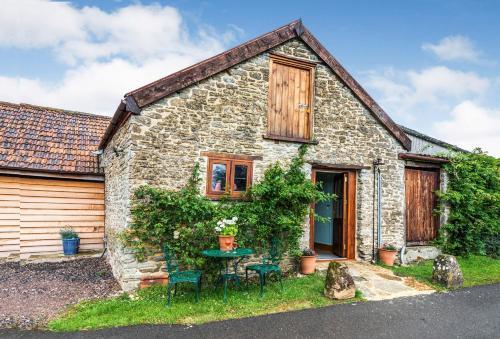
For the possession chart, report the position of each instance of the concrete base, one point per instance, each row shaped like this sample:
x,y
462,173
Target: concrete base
x,y
418,253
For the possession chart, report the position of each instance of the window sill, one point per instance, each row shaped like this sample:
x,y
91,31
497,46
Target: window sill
x,y
217,197
289,139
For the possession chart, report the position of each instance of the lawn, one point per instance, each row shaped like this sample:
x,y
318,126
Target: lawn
x,y
148,307
477,270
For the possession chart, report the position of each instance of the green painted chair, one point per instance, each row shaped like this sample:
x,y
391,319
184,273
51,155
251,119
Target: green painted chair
x,y
270,264
176,276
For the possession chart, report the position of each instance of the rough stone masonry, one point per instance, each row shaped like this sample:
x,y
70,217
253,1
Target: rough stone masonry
x,y
227,113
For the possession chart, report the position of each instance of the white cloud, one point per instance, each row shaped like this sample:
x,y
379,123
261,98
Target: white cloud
x,y
471,125
440,80
138,32
450,97
455,47
404,93
107,53
38,24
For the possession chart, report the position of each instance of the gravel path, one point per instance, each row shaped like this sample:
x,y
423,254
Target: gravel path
x,y
32,294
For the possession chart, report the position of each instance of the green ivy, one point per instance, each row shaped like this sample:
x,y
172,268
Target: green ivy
x,y
473,195
276,206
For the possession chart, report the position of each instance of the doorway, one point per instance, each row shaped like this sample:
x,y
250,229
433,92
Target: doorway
x,y
422,223
332,232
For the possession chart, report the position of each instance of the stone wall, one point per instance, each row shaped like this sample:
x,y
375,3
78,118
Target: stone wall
x,y
228,112
116,163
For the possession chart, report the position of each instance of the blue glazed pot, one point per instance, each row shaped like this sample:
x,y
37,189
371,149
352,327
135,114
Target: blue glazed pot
x,y
70,246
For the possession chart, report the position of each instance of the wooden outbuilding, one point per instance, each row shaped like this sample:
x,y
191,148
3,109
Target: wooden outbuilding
x,y
49,179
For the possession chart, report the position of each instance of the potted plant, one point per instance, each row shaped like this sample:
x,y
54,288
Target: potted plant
x,y
227,229
387,254
70,240
308,261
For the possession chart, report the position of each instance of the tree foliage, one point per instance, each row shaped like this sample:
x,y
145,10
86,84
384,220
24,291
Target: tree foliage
x,y
473,195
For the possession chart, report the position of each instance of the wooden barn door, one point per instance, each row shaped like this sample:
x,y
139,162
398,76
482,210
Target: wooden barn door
x,y
421,223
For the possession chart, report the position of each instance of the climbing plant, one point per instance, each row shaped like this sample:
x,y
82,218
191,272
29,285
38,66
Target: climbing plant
x,y
185,219
473,195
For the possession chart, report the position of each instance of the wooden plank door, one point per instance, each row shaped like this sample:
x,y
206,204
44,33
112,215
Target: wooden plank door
x,y
290,103
345,213
421,223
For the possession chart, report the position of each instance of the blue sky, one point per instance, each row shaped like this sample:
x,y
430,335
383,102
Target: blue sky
x,y
432,65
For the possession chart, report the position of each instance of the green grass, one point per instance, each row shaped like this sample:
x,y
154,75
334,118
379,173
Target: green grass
x,y
149,305
477,270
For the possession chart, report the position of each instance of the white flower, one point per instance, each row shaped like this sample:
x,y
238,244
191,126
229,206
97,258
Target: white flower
x,y
176,234
218,229
235,219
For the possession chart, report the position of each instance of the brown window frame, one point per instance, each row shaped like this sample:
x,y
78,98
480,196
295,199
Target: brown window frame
x,y
309,66
231,163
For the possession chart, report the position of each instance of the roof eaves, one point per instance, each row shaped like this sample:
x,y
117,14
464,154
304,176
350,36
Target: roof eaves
x,y
127,105
159,89
156,90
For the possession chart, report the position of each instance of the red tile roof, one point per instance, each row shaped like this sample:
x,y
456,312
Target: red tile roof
x,y
49,139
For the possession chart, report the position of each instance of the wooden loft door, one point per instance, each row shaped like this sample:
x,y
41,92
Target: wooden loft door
x,y
290,99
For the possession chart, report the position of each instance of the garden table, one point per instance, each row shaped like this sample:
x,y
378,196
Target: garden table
x,y
236,255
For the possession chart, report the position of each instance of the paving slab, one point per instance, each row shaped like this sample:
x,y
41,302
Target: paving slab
x,y
378,283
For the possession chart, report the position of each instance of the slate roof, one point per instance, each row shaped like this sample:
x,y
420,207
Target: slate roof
x,y
432,140
49,139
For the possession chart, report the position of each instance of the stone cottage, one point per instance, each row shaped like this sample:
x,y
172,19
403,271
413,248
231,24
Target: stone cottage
x,y
238,112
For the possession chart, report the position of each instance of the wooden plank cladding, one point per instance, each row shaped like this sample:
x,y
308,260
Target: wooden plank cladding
x,y
9,217
32,211
290,98
421,223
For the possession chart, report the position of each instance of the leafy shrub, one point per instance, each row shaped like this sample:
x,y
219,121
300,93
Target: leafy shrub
x,y
180,219
307,252
389,247
473,194
187,221
67,232
280,202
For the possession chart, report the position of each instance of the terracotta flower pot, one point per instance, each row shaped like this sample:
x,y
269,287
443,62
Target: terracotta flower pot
x,y
307,264
226,242
387,257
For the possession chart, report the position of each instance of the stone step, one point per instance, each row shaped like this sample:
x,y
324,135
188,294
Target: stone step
x,y
419,253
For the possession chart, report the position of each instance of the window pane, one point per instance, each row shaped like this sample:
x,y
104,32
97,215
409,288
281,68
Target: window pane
x,y
218,177
240,178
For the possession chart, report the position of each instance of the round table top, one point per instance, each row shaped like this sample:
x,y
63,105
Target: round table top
x,y
237,252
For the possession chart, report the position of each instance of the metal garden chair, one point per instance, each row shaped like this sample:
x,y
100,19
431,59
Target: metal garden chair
x,y
175,275
270,264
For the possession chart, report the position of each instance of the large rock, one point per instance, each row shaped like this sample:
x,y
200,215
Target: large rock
x,y
446,271
339,283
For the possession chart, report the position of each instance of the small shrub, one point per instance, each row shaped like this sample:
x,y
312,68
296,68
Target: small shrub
x,y
67,232
389,247
307,252
227,227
